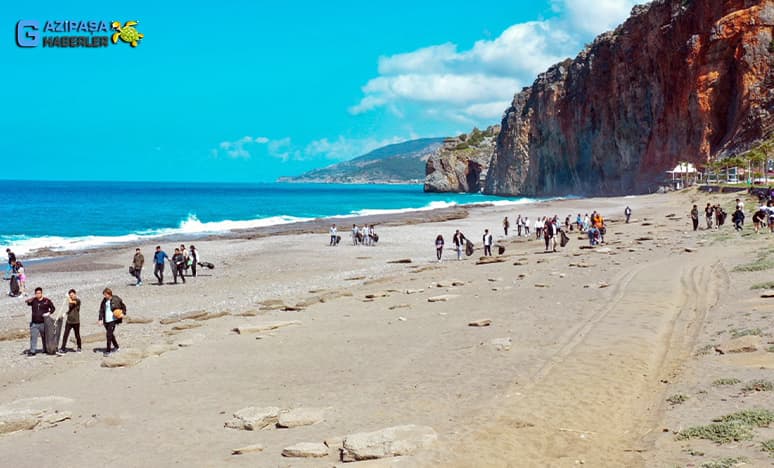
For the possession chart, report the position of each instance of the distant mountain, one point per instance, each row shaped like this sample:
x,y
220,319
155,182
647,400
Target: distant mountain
x,y
398,163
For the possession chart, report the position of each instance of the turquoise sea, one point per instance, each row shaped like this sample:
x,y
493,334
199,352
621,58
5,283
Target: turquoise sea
x,y
69,216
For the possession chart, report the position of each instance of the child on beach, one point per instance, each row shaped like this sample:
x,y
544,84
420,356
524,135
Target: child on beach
x,y
439,247
22,277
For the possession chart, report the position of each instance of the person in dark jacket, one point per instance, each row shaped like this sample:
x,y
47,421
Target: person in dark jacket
x,y
41,307
159,259
178,265
738,219
194,260
73,320
137,263
107,317
487,240
459,243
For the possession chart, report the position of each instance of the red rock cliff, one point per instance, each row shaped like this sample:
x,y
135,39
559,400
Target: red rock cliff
x,y
680,80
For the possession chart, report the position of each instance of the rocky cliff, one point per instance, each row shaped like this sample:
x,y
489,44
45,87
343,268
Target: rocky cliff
x,y
680,80
461,163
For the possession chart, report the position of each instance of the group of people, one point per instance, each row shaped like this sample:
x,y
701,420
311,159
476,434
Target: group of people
x,y
181,261
112,308
549,228
461,244
363,235
111,312
16,274
715,216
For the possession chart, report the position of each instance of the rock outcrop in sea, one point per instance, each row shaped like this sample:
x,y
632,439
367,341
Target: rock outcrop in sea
x,y
680,80
461,163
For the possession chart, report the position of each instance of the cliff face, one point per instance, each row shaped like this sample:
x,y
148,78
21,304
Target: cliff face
x,y
461,163
680,80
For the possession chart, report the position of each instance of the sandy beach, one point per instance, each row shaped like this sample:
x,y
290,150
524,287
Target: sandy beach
x,y
583,349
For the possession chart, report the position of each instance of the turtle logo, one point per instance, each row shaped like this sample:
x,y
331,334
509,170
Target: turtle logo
x,y
126,33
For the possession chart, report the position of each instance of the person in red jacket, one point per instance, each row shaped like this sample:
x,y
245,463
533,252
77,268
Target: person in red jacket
x,y
41,307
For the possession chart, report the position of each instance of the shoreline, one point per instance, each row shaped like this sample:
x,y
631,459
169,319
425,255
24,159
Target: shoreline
x,y
309,226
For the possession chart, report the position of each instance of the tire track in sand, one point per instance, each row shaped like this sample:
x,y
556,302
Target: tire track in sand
x,y
600,392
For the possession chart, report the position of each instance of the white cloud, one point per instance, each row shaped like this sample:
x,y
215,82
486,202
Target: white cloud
x,y
239,148
488,110
468,85
595,16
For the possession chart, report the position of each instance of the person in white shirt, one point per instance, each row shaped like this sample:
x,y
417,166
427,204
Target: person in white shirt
x,y
334,236
364,232
487,243
526,226
371,235
354,234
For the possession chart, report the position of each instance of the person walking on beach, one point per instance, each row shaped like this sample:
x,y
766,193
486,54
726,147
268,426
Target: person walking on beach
x,y
526,226
487,243
628,213
178,266
355,232
73,320
41,307
519,226
334,235
193,260
439,247
111,312
579,223
137,263
759,219
549,234
186,262
506,225
708,215
459,243
21,275
159,259
11,260
738,219
695,217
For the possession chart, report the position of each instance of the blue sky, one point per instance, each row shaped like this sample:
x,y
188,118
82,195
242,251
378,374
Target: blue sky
x,y
249,91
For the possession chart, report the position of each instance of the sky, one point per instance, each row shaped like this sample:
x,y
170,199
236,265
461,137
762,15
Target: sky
x,y
233,91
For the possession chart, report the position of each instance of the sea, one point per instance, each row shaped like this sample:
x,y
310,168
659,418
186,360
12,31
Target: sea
x,y
71,216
